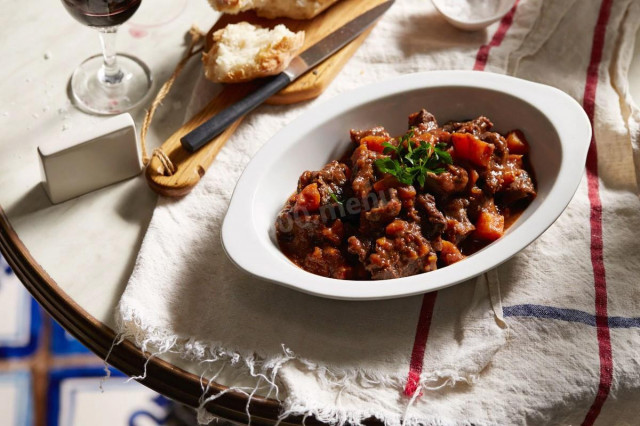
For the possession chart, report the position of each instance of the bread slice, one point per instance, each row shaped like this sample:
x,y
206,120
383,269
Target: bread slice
x,y
296,9
243,52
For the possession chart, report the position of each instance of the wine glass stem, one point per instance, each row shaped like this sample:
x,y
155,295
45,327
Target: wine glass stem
x,y
110,73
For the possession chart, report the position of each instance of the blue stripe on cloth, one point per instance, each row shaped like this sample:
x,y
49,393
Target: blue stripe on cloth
x,y
623,322
571,315
541,311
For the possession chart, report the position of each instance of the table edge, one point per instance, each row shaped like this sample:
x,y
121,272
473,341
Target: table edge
x,y
161,376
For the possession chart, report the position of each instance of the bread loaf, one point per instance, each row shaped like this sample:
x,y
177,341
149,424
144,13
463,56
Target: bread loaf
x,y
243,52
296,9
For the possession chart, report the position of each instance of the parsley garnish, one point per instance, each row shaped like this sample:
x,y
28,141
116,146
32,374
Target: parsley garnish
x,y
334,198
411,164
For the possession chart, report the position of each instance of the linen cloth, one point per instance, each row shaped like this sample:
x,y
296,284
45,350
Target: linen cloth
x,y
566,353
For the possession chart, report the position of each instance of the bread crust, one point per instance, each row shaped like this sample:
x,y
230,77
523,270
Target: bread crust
x,y
270,59
296,9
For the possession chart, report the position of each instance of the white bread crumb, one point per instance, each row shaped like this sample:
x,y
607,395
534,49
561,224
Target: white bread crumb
x,y
296,9
243,52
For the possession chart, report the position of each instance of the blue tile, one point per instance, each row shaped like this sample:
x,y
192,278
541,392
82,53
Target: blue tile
x,y
63,343
20,328
10,347
75,398
16,398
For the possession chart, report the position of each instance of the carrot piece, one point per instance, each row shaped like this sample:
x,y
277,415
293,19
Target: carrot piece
x,y
396,227
489,226
450,253
468,147
515,159
406,192
427,137
374,143
517,143
386,183
508,177
308,199
334,233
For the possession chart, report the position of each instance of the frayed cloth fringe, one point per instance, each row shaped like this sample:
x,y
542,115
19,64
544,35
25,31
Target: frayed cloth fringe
x,y
216,358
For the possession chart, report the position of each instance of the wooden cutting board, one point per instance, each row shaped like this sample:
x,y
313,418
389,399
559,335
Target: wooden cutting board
x,y
190,167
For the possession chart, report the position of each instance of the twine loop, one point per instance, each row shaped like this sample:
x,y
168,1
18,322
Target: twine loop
x,y
196,45
169,167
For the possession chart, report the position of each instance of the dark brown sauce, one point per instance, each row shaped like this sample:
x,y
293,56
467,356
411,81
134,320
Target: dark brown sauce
x,y
386,240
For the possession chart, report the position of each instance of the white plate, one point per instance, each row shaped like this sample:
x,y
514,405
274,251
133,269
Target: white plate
x,y
555,125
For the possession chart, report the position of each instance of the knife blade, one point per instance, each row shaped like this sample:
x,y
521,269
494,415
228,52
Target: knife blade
x,y
302,63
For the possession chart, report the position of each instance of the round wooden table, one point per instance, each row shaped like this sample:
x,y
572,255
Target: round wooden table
x,y
75,258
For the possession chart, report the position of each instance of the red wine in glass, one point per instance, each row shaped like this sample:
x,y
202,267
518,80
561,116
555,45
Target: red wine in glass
x,y
109,83
101,13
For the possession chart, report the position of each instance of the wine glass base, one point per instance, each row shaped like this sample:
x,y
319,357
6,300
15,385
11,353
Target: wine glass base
x,y
92,95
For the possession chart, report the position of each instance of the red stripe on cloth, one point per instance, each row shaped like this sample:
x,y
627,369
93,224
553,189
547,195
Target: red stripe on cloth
x,y
593,185
420,342
429,299
496,40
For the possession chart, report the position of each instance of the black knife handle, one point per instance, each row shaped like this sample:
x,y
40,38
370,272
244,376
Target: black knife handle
x,y
211,128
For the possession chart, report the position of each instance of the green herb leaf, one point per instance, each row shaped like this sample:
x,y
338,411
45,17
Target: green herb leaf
x,y
440,150
388,148
334,198
386,165
409,163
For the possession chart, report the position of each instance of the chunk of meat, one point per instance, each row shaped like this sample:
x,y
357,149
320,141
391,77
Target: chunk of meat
x,y
436,243
299,232
493,178
458,224
405,252
454,179
364,175
423,120
359,246
432,220
520,187
328,262
476,126
357,135
331,179
334,233
509,179
387,207
500,144
432,137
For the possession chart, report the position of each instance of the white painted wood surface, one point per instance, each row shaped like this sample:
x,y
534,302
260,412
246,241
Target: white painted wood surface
x,y
88,244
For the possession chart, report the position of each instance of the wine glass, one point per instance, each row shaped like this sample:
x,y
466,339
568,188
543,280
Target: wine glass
x,y
108,83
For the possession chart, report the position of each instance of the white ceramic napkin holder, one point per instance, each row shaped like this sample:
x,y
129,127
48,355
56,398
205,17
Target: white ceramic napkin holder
x,y
88,158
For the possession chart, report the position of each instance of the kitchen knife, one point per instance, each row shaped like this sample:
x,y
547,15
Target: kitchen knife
x,y
298,66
